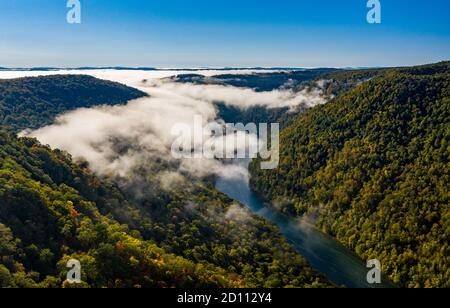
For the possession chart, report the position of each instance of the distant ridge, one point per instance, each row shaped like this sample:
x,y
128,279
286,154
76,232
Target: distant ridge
x,y
256,68
76,68
151,69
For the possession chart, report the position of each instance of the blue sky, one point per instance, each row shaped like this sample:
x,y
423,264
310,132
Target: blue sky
x,y
238,33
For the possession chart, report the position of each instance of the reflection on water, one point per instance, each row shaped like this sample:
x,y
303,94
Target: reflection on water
x,y
326,255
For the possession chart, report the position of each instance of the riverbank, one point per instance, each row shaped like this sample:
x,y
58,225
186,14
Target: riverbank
x,y
326,255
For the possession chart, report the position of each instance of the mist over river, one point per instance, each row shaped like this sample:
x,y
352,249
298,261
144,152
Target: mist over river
x,y
327,256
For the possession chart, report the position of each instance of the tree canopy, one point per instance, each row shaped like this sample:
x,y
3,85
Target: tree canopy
x,y
34,102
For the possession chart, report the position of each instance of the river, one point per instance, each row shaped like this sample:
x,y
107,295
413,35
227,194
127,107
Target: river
x,y
326,255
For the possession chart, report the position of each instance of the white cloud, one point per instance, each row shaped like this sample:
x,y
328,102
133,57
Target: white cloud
x,y
116,139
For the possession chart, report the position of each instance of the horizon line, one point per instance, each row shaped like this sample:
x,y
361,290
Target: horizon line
x,y
212,68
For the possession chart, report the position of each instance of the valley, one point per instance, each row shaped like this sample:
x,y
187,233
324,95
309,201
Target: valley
x,y
106,190
211,239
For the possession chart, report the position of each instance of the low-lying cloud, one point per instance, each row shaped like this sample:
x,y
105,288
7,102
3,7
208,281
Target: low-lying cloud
x,y
241,97
114,140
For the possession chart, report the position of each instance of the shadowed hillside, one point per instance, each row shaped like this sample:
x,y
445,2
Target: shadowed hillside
x,y
36,101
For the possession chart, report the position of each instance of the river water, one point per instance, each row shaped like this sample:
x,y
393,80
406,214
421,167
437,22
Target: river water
x,y
326,255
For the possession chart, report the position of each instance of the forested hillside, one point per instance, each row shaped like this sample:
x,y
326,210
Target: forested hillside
x,y
51,210
36,101
372,167
49,214
335,83
138,232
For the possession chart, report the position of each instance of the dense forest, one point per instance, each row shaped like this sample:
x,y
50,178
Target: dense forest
x,y
52,210
49,214
36,101
337,82
372,169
